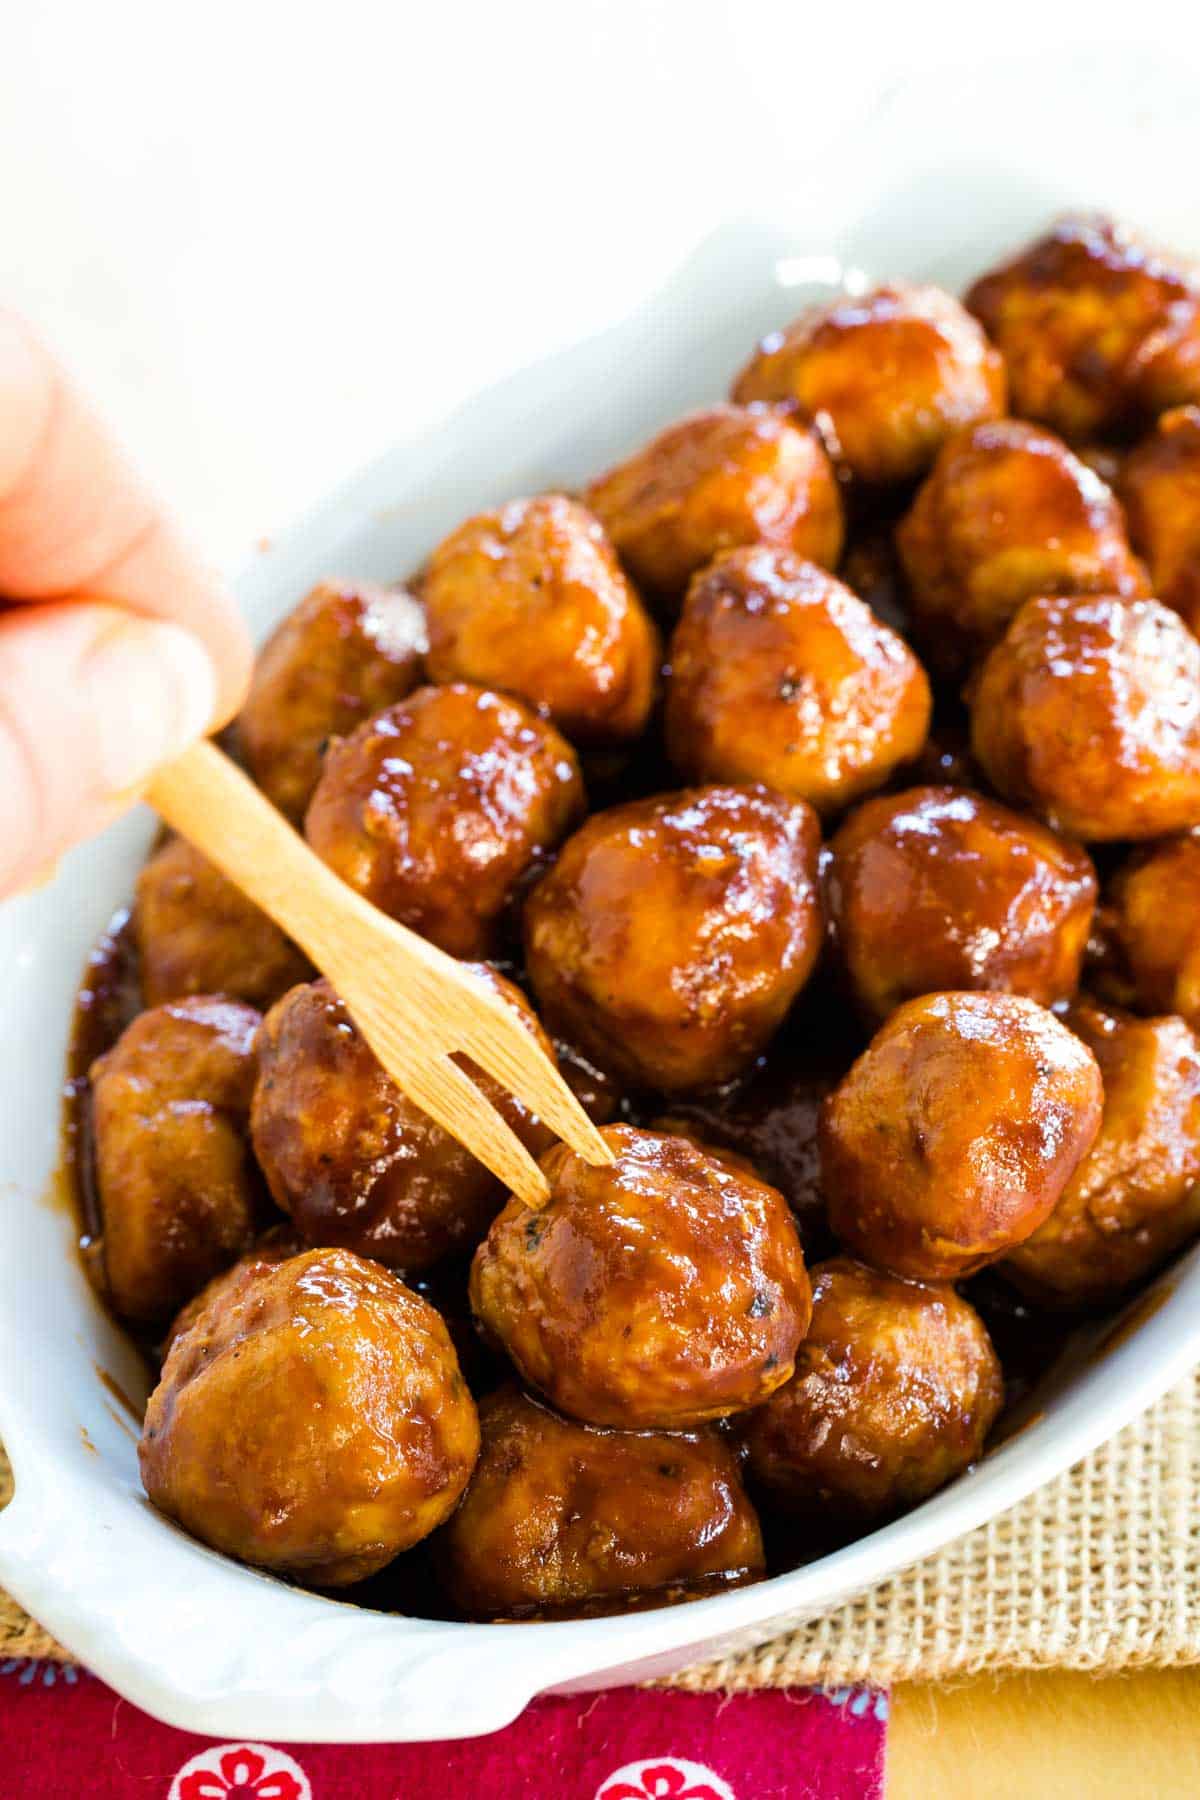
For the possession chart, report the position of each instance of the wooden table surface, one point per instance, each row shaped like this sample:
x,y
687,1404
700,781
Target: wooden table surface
x,y
1078,1737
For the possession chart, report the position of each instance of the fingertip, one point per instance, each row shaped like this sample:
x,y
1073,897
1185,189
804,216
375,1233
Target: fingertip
x,y
232,652
93,700
152,690
162,576
77,520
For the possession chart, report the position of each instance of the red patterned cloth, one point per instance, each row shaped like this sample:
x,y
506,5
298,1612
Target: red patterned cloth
x,y
63,1733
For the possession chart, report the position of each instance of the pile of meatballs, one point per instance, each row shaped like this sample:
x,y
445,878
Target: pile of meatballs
x,y
821,787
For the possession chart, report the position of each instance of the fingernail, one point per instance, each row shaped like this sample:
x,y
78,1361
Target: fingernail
x,y
152,691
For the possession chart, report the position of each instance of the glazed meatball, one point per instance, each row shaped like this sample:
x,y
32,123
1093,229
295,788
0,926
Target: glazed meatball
x,y
656,1292
953,1135
312,1421
1135,1197
196,933
732,475
347,651
672,934
439,807
1088,711
938,888
780,674
565,1519
886,376
351,1159
1007,513
175,1181
1097,330
532,599
1153,914
1160,485
896,1388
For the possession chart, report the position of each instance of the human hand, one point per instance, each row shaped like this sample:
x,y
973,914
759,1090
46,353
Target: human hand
x,y
118,647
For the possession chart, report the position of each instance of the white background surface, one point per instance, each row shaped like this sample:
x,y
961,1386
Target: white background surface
x,y
275,237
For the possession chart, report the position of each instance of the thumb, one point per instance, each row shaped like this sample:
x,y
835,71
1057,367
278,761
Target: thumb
x,y
76,518
92,699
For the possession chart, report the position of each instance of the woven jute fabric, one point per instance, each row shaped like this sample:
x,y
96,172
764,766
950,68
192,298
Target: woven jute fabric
x,y
19,1634
1099,1570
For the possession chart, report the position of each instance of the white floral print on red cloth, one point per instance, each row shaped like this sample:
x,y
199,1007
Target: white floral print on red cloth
x,y
241,1772
74,1738
664,1778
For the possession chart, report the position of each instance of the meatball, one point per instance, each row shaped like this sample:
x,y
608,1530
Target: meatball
x,y
1153,913
672,934
953,1135
1135,1197
1007,513
780,674
312,1420
886,376
1088,711
566,1519
896,1388
1160,485
938,888
532,599
439,807
196,933
176,1184
353,1161
656,1292
1097,330
348,650
731,475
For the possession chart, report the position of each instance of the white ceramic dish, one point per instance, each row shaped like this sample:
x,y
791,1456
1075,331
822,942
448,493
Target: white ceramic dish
x,y
935,184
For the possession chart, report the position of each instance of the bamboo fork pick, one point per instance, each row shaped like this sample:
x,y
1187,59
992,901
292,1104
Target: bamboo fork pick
x,y
415,1006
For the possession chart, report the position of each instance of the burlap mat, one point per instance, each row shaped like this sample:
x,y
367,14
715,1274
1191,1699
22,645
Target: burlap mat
x,y
1100,1570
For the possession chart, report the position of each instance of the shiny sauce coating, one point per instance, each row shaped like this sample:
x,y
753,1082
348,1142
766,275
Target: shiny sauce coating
x,y
657,1293
672,934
